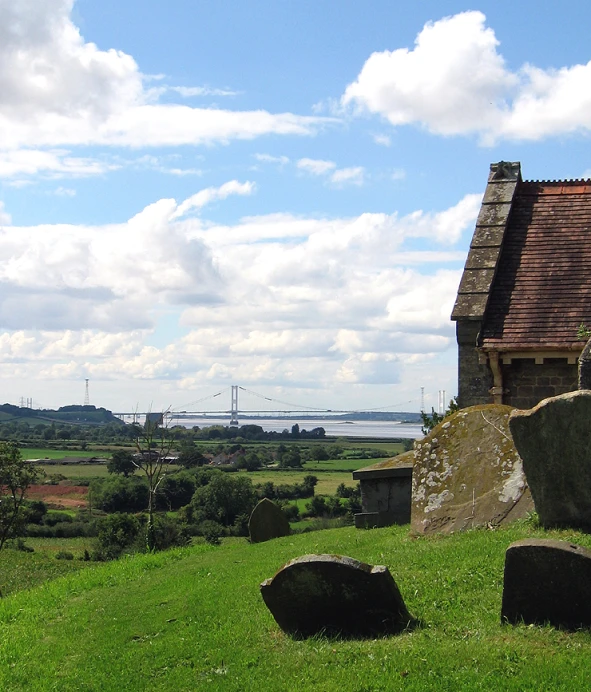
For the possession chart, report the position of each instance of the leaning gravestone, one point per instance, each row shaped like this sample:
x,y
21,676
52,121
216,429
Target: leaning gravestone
x,y
547,582
267,521
467,473
335,595
554,441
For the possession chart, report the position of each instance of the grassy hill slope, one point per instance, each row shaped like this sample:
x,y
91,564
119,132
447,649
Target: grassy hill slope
x,y
194,619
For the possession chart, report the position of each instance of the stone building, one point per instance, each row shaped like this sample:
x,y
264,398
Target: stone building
x,y
525,290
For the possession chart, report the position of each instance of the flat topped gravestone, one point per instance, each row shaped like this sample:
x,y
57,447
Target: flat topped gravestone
x,y
554,441
547,582
267,521
335,595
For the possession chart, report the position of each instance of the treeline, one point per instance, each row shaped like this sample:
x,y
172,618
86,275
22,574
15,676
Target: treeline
x,y
83,414
250,432
207,502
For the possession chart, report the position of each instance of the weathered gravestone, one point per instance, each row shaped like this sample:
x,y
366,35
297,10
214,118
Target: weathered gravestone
x,y
335,595
554,441
267,521
468,473
547,582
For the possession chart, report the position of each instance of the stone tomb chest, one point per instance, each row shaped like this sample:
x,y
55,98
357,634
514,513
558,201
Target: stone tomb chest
x,y
385,492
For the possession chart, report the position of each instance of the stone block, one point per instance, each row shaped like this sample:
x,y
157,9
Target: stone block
x,y
488,236
385,492
493,214
469,306
482,258
554,441
467,473
499,192
335,595
267,521
547,581
476,281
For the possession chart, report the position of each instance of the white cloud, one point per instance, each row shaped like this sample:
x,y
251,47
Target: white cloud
x,y
267,158
348,176
210,194
60,276
5,217
60,90
188,92
315,166
53,163
455,81
65,192
278,299
337,176
382,140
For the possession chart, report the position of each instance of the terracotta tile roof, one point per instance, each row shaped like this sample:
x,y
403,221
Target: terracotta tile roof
x,y
542,289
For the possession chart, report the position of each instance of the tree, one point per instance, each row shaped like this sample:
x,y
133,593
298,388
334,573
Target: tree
x,y
319,453
430,421
190,456
223,499
16,475
153,443
121,462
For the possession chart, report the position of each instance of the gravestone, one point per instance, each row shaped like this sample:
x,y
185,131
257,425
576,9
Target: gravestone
x,y
547,581
267,521
554,441
336,595
467,473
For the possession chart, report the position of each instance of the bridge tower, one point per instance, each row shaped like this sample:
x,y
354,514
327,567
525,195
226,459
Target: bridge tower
x,y
234,409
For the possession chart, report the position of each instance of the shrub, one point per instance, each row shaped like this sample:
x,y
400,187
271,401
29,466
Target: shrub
x,y
292,512
116,533
211,531
120,494
222,500
64,555
169,533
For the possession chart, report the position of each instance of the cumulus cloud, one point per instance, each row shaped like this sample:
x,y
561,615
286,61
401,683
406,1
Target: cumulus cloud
x,y
276,299
455,81
5,217
60,276
60,90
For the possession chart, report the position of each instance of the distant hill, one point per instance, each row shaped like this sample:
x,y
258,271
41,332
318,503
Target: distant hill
x,y
66,414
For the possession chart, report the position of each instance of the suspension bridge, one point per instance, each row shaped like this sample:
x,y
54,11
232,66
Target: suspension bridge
x,y
206,407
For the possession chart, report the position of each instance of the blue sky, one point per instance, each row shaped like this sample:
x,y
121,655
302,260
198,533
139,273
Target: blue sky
x,y
275,195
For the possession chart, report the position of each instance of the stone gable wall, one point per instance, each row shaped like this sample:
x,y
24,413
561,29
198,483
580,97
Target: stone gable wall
x,y
474,379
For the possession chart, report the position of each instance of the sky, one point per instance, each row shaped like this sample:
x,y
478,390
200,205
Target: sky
x,y
279,196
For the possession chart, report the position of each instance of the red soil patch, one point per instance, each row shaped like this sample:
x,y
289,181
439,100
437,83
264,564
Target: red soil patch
x,y
59,496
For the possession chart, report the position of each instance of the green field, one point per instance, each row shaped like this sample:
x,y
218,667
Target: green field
x,y
336,465
327,482
192,619
45,453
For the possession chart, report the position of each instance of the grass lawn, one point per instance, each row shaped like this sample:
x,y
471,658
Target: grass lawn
x,y
20,570
193,619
